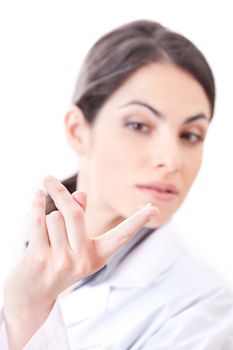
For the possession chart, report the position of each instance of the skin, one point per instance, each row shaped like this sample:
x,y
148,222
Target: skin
x,y
59,254
78,238
116,155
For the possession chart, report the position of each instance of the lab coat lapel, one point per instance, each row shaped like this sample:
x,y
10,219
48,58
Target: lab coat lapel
x,y
140,267
150,259
84,303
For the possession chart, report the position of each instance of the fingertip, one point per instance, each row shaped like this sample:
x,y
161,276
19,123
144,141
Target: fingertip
x,y
150,211
48,179
145,206
81,198
153,212
148,207
79,194
39,193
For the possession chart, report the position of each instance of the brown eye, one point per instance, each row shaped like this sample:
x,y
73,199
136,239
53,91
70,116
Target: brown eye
x,y
138,126
192,138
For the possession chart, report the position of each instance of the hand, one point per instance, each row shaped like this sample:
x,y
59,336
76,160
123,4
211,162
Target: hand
x,y
60,253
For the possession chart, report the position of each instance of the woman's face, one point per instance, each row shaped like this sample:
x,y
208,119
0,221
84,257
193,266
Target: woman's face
x,y
147,142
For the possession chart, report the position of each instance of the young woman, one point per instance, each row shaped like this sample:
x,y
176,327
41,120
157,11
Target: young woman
x,y
104,268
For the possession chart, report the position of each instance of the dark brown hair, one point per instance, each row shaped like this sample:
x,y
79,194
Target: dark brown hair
x,y
119,53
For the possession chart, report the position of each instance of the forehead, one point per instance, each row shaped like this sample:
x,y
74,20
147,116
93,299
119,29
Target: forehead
x,y
168,88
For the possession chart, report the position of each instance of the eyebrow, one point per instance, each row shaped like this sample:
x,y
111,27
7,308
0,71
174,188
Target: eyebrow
x,y
161,116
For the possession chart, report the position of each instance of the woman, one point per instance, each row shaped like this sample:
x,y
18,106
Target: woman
x,y
141,110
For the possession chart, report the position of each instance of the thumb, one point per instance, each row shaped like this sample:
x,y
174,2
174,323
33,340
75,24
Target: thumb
x,y
113,239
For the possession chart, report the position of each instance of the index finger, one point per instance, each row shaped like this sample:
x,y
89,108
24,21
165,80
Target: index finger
x,y
109,242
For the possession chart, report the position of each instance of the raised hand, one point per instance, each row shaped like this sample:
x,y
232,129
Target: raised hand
x,y
59,254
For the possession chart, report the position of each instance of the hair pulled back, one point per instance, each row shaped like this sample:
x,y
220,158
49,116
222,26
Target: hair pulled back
x,y
119,53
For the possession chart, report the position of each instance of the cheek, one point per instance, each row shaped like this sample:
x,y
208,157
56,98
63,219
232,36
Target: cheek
x,y
114,155
109,163
192,168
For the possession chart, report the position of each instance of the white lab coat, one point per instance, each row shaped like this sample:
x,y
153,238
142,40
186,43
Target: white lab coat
x,y
160,297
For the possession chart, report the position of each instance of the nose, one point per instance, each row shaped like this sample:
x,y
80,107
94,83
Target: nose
x,y
167,155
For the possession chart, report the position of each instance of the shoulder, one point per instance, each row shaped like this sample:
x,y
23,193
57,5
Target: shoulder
x,y
198,309
190,281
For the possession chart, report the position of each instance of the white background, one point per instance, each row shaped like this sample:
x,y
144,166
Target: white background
x,y
42,46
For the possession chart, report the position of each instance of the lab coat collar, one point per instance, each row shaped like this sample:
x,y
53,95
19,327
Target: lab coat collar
x,y
146,262
154,255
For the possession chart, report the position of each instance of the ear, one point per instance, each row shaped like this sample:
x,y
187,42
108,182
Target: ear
x,y
77,130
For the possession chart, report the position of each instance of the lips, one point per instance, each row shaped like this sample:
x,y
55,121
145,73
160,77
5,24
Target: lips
x,y
159,190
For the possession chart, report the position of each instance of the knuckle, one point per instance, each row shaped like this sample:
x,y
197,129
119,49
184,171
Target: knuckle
x,y
83,268
39,204
76,213
64,263
54,216
40,261
59,188
38,221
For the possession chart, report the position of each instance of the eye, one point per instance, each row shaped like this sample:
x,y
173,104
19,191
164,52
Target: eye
x,y
192,138
138,126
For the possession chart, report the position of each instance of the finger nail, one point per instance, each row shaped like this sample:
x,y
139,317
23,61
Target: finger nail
x,y
50,178
150,209
153,214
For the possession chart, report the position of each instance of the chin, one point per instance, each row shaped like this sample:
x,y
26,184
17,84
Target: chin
x,y
157,221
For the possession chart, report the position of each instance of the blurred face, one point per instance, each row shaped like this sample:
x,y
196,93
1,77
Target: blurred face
x,y
146,144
